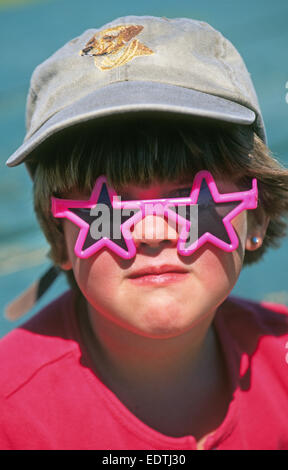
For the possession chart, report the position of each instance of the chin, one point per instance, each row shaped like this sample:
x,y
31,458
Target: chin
x,y
164,323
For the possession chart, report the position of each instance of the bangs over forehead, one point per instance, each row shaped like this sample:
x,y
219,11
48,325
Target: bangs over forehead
x,y
140,152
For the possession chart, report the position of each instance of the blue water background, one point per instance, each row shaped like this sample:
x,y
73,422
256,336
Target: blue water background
x,y
29,34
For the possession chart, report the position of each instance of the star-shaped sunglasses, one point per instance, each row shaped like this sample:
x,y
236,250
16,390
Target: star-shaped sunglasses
x,y
204,215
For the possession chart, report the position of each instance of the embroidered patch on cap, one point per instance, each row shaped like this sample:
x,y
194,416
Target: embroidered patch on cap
x,y
114,47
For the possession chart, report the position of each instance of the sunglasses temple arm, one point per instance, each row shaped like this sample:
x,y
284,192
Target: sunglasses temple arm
x,y
59,207
251,197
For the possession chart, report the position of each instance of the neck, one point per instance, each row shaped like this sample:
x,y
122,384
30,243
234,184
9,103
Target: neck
x,y
184,374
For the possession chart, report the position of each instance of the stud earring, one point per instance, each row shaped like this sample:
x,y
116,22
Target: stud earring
x,y
255,240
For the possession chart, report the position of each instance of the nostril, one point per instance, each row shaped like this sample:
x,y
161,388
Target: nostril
x,y
154,230
153,248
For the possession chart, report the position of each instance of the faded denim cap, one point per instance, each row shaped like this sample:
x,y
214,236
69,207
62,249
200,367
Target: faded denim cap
x,y
139,64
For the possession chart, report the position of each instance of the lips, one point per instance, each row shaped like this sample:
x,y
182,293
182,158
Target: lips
x,y
156,275
157,270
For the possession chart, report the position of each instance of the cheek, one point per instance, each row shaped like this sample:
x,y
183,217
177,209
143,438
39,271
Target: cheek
x,y
98,277
219,270
95,273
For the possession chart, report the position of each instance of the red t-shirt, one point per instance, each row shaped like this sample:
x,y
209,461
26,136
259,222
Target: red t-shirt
x,y
51,399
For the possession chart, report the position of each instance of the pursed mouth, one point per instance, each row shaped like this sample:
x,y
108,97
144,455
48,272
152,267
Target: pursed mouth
x,y
157,271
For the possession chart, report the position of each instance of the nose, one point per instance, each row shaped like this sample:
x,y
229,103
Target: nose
x,y
153,231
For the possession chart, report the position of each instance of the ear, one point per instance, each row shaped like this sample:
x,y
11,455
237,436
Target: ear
x,y
66,265
257,227
66,227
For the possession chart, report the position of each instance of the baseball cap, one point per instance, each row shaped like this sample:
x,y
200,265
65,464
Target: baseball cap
x,y
139,64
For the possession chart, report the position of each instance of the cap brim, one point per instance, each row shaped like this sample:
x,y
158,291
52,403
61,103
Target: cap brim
x,y
135,97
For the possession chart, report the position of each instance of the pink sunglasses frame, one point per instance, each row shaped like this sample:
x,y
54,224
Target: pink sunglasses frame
x,y
247,200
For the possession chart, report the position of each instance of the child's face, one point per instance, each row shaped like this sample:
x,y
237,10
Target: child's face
x,y
158,293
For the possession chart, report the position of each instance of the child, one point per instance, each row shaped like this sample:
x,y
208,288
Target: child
x,y
147,351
